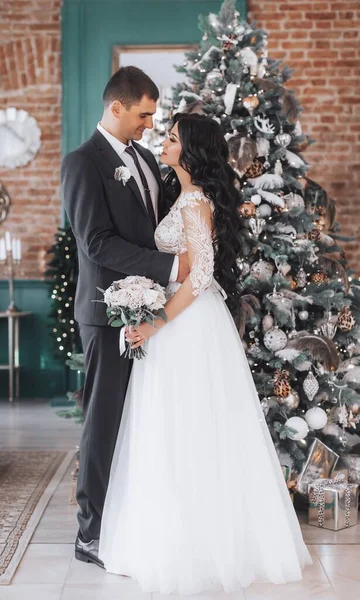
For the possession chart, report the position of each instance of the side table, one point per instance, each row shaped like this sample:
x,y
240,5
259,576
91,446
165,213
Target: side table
x,y
13,367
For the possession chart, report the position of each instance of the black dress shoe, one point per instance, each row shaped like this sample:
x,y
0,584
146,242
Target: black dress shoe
x,y
88,551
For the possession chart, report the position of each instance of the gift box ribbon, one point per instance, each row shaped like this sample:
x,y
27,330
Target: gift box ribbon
x,y
317,496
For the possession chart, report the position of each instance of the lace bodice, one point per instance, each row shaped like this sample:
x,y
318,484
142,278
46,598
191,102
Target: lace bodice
x,y
187,228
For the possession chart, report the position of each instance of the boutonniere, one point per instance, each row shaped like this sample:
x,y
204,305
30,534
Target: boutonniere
x,y
122,174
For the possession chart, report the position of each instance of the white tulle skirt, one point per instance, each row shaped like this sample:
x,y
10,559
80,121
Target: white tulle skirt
x,y
196,498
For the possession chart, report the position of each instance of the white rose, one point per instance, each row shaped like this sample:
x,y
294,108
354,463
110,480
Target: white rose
x,y
150,296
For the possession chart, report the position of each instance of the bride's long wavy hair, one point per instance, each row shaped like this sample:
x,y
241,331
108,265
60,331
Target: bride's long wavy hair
x,y
204,155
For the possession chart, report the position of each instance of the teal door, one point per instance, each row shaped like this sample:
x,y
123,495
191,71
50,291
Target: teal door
x,y
89,30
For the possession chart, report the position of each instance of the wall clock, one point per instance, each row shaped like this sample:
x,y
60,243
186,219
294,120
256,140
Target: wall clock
x,y
20,138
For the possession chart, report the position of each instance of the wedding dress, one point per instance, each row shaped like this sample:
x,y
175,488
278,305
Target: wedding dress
x,y
196,497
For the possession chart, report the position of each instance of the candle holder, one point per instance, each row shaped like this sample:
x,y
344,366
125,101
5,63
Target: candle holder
x,y
11,264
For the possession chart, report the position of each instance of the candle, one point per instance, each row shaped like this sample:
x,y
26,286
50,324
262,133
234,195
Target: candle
x,y
2,249
13,248
8,241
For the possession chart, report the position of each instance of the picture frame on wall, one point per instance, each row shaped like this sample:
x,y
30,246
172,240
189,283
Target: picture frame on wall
x,y
158,62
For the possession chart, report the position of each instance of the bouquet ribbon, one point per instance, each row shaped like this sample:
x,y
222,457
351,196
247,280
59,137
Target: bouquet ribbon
x,y
122,343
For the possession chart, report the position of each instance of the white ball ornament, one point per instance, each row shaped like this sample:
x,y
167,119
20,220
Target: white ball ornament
x,y
316,418
300,428
303,315
275,339
295,204
264,210
256,199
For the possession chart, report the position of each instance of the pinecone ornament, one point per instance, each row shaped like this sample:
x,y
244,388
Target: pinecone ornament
x,y
247,209
255,170
319,277
314,234
282,385
346,321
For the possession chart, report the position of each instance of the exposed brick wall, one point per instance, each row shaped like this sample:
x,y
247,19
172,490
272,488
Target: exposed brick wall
x,y
321,40
30,79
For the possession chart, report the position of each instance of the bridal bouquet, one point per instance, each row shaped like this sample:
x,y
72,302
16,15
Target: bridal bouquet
x,y
132,301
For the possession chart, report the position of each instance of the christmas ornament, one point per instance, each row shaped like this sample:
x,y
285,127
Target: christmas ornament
x,y
268,181
278,167
282,385
247,209
295,204
229,41
275,339
249,59
242,151
282,265
229,97
319,277
215,80
262,270
314,235
267,322
310,386
299,426
291,402
263,146
257,226
316,417
256,199
264,210
301,278
244,266
282,139
297,128
329,328
263,124
250,103
346,321
303,315
255,170
294,160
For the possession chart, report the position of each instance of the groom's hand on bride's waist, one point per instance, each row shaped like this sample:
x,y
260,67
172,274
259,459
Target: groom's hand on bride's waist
x,y
184,268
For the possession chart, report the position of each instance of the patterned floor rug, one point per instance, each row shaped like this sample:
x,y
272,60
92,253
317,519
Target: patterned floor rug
x,y
28,480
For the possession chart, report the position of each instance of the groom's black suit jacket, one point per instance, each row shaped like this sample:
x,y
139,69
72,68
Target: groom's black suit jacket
x,y
113,231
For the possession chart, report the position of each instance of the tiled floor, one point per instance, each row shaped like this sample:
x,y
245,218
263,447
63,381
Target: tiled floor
x,y
48,570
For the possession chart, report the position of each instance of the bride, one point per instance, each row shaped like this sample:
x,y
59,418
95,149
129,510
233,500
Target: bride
x,y
196,497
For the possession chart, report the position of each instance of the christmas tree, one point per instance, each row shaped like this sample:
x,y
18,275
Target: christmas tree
x,y
300,313
63,272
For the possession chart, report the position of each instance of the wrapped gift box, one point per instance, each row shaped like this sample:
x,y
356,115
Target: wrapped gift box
x,y
352,461
333,503
320,463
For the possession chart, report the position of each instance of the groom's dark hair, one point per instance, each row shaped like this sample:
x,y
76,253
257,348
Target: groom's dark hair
x,y
129,85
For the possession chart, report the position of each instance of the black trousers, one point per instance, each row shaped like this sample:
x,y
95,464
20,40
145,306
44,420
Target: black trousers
x,y
106,379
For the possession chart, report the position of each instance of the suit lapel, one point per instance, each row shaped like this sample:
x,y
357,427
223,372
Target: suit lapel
x,y
113,159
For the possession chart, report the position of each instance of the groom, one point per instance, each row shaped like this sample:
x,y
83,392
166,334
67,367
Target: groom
x,y
113,219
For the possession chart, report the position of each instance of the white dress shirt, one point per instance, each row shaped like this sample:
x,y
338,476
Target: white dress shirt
x,y
120,148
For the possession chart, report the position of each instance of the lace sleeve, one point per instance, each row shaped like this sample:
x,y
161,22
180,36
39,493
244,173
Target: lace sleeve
x,y
197,217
